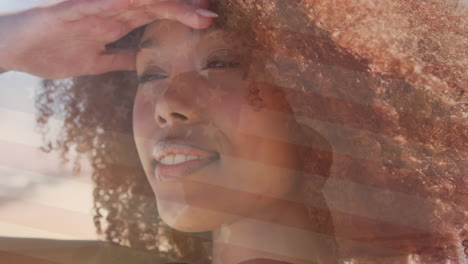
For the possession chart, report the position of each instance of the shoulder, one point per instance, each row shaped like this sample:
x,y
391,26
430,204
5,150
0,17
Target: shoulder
x,y
264,261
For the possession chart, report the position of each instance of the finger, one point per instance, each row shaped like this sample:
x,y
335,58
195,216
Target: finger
x,y
72,10
140,3
124,60
185,14
196,3
195,18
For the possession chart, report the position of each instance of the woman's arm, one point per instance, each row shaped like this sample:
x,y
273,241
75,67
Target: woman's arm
x,y
68,38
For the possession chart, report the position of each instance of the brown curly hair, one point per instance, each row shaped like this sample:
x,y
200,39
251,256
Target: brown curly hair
x,y
382,81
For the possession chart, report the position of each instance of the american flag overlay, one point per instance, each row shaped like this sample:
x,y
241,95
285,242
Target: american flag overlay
x,y
370,169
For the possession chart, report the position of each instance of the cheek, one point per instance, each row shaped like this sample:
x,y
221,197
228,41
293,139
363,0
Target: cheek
x,y
267,149
143,123
263,160
144,128
223,107
268,125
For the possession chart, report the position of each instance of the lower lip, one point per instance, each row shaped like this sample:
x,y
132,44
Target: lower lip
x,y
168,173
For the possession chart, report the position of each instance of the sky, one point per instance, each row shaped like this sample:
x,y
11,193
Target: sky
x,y
39,197
34,185
11,5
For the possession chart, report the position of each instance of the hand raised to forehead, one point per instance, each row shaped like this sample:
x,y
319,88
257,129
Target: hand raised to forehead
x,y
68,38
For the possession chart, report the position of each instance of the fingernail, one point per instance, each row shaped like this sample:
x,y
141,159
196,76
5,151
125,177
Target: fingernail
x,y
206,13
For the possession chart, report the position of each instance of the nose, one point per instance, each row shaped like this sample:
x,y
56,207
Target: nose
x,y
178,104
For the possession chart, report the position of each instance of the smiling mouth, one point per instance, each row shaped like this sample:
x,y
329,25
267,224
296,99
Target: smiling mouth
x,y
176,160
174,172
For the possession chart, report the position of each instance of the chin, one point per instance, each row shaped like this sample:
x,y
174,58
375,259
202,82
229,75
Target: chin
x,y
188,218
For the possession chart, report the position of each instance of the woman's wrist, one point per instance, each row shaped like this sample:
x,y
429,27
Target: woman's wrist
x,y
9,28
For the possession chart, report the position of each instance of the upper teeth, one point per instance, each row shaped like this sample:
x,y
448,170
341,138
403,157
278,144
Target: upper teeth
x,y
177,159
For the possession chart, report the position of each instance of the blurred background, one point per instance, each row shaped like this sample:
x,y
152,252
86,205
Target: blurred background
x,y
39,196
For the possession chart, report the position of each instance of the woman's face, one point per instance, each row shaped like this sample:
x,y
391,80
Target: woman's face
x,y
209,156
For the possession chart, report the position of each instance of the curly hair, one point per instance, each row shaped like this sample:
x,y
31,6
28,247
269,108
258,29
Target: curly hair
x,y
382,81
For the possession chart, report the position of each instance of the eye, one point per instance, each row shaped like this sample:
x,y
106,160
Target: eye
x,y
221,59
219,64
151,73
147,77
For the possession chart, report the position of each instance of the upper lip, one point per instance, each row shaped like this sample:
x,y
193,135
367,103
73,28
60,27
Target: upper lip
x,y
172,147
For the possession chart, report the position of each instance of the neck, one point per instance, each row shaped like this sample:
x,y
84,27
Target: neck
x,y
282,234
